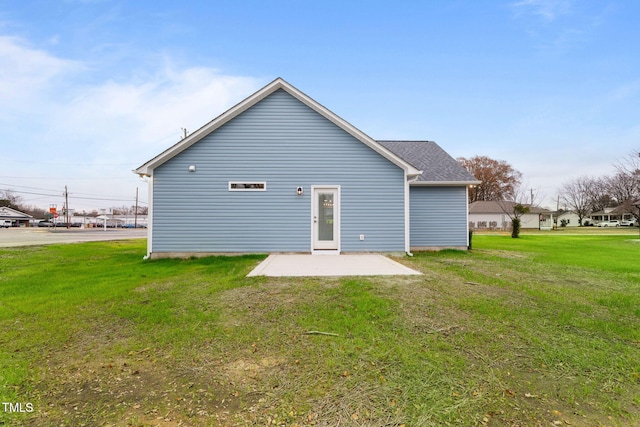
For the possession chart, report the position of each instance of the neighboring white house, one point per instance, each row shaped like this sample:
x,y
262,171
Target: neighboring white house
x,y
607,214
570,219
494,216
17,218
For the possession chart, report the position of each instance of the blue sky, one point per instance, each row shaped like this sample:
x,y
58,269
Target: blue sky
x,y
91,89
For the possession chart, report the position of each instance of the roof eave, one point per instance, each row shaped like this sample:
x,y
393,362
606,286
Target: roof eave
x,y
350,129
444,183
147,168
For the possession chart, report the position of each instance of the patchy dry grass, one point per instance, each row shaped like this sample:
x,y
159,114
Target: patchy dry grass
x,y
514,333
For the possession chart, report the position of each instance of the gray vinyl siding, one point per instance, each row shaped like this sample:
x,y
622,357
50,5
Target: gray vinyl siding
x,y
286,144
438,216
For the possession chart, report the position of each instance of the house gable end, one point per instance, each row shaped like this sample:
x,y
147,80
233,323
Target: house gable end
x,y
285,145
276,85
9,213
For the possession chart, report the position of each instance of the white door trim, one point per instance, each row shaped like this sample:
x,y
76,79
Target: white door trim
x,y
334,247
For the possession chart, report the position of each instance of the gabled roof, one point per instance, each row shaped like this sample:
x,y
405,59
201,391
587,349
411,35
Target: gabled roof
x,y
277,84
437,166
617,210
492,207
9,213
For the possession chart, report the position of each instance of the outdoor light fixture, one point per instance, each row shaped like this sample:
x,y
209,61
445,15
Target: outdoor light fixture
x,y
299,191
192,168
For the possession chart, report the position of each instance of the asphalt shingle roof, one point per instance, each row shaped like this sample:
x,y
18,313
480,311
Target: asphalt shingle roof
x,y
435,163
492,207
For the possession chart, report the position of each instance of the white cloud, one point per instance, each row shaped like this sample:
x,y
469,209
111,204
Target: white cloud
x,y
144,117
549,10
83,133
146,109
27,73
624,92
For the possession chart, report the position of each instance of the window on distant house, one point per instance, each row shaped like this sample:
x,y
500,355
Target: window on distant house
x,y
247,186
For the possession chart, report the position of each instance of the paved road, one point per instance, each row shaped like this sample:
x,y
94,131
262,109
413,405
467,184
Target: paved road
x,y
11,237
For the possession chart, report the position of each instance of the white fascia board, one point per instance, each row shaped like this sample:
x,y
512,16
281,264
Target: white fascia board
x,y
147,168
352,130
443,183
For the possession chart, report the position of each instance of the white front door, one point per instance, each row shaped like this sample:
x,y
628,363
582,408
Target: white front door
x,y
326,218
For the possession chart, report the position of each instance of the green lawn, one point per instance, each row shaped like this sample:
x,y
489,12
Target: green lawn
x,y
533,331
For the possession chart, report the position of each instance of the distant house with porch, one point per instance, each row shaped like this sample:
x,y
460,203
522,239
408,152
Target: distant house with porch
x,y
619,213
494,216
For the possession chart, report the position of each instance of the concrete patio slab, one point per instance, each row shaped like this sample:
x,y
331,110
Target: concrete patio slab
x,y
301,265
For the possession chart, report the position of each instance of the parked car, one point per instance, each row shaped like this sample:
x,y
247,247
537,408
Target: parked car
x,y
629,223
5,223
71,224
45,224
612,223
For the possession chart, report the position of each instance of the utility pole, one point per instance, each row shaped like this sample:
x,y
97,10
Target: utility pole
x,y
66,197
135,221
555,220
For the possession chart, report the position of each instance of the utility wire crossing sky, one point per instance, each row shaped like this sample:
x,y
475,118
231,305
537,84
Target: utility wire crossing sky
x,y
91,89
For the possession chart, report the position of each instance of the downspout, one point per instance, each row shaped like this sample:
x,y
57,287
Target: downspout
x,y
466,197
149,218
407,213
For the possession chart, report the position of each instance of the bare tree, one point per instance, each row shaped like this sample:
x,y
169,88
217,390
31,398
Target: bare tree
x,y
33,210
626,183
120,210
498,179
630,164
621,186
577,195
629,168
142,210
599,196
9,199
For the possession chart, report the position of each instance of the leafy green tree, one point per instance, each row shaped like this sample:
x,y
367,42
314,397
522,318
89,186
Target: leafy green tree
x,y
516,222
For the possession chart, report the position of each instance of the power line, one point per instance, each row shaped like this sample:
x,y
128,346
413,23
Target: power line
x,y
105,199
34,162
25,186
74,194
49,178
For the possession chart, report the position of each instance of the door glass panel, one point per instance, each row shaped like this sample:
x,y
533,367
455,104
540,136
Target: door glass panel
x,y
325,216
